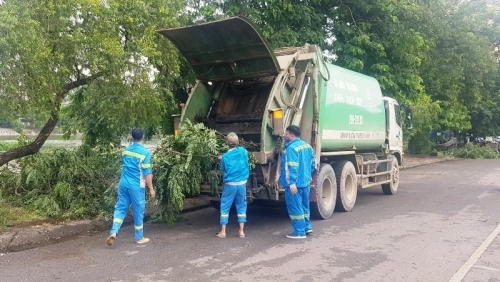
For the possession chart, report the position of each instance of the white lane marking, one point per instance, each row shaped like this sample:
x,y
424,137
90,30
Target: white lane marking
x,y
462,272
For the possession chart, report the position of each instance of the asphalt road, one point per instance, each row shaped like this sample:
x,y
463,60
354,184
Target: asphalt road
x,y
441,226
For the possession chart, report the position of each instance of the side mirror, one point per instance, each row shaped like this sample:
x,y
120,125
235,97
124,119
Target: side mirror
x,y
408,116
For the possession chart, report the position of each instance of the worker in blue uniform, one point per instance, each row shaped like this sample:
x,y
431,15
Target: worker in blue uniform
x,y
236,169
297,166
136,173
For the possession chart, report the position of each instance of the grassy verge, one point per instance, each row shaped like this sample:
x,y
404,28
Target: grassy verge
x,y
7,145
11,216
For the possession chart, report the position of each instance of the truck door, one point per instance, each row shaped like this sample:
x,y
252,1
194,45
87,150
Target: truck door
x,y
395,129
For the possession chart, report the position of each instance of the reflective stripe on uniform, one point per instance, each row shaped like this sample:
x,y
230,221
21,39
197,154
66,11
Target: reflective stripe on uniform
x,y
242,215
146,165
297,217
138,227
135,155
117,220
301,147
236,183
293,164
224,215
287,170
307,215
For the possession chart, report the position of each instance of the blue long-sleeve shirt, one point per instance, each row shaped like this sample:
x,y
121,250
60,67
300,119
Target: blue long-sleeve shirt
x,y
136,165
234,164
297,164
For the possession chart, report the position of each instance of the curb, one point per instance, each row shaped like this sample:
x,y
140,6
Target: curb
x,y
42,235
434,161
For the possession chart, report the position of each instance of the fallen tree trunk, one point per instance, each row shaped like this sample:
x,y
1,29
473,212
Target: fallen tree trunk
x,y
34,147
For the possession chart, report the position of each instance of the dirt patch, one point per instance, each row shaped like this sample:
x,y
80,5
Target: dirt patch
x,y
35,223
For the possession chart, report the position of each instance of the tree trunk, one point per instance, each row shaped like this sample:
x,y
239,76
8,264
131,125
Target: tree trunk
x,y
34,146
47,129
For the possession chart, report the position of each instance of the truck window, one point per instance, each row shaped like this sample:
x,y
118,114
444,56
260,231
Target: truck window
x,y
397,112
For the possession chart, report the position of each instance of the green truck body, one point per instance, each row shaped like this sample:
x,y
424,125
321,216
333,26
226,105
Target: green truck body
x,y
352,113
245,87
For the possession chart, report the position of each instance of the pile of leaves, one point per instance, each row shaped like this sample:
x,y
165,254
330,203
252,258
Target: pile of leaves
x,y
184,161
64,183
472,151
82,182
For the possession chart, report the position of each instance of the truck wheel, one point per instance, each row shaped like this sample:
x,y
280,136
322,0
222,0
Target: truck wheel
x,y
347,187
392,187
326,193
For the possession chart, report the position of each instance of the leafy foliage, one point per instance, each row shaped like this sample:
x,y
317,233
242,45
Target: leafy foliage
x,y
472,151
426,111
5,146
183,162
104,57
145,87
64,183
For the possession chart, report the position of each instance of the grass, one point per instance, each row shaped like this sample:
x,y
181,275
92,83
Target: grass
x,y
11,216
7,145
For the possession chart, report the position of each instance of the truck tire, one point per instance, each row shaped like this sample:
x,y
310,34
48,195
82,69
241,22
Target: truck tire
x,y
392,187
326,193
347,186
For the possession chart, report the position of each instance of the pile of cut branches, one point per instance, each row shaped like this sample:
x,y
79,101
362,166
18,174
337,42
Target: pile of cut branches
x,y
183,161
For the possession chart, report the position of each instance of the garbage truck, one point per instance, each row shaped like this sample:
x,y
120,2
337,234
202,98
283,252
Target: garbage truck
x,y
246,87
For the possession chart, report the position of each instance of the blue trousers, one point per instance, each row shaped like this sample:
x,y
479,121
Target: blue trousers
x,y
127,196
236,194
298,209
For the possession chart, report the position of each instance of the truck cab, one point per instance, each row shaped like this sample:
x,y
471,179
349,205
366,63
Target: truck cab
x,y
394,128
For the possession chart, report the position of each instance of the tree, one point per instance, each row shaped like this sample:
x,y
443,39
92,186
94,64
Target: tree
x,y
460,69
100,54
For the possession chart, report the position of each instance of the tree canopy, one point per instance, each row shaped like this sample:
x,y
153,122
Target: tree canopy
x,y
105,59
102,56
